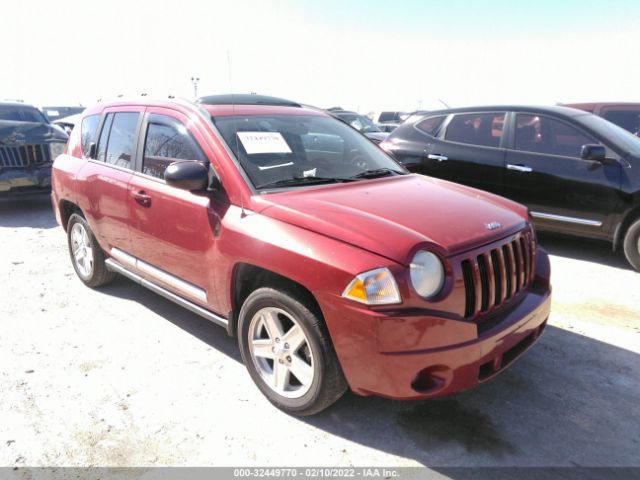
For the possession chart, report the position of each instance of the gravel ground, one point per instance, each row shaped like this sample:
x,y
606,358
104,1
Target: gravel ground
x,y
122,377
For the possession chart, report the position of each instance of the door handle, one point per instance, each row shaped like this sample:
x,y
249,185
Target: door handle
x,y
519,168
437,156
142,198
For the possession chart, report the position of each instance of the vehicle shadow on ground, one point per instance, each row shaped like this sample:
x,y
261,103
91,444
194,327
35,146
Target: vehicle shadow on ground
x,y
583,249
569,401
34,212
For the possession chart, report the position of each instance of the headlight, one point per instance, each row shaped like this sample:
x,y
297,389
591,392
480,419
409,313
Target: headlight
x,y
375,287
427,274
57,148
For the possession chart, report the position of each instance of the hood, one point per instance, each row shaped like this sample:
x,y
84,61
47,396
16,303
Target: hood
x,y
393,216
377,136
12,133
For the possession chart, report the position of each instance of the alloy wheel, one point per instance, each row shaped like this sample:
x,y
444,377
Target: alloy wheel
x,y
281,352
81,248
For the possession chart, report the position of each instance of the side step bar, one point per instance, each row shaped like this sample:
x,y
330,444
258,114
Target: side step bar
x,y
114,266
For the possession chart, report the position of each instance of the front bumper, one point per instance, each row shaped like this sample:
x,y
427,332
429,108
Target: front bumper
x,y
19,180
374,348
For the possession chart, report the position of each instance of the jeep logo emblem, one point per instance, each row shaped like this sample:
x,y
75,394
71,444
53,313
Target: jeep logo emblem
x,y
493,225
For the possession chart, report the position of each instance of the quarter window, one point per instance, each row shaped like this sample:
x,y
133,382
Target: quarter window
x,y
88,131
166,144
483,129
431,125
542,134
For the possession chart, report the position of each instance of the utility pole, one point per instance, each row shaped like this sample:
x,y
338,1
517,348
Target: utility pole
x,y
195,81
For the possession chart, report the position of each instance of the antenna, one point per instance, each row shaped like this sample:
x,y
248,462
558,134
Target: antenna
x,y
444,103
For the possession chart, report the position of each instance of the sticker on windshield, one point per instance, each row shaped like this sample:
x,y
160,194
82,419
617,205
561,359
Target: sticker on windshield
x,y
263,142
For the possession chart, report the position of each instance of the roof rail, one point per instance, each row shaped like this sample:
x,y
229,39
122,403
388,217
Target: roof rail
x,y
246,99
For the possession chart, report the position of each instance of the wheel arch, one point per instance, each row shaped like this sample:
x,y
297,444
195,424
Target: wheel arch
x,y
247,277
621,230
68,208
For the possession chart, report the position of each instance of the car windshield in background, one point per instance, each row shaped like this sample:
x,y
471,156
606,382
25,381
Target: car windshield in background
x,y
287,150
21,113
54,113
359,122
617,135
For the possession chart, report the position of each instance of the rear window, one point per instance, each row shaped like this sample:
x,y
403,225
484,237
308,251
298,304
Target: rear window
x,y
21,113
484,129
431,125
88,132
389,117
627,119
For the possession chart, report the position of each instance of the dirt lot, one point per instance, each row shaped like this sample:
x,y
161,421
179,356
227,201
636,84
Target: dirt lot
x,y
123,377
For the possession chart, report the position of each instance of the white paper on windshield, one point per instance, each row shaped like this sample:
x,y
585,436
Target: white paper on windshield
x,y
53,113
263,142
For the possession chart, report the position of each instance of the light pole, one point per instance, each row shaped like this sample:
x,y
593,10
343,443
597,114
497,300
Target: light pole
x,y
195,81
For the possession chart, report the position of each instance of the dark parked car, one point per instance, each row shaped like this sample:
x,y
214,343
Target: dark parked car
x,y
67,123
28,145
578,173
56,113
360,123
625,115
301,237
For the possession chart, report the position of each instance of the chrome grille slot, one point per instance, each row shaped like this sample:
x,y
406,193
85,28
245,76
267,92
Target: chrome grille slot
x,y
495,276
23,155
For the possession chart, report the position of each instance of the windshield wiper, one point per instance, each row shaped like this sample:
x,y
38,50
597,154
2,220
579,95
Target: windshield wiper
x,y
290,182
377,172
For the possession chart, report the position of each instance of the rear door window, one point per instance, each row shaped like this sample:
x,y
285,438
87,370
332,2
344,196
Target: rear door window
x,y
117,143
484,129
540,134
166,142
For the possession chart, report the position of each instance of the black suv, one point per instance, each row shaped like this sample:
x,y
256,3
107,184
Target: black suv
x,y
578,173
28,145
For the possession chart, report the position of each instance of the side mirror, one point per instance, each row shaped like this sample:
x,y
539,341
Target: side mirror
x,y
593,152
188,175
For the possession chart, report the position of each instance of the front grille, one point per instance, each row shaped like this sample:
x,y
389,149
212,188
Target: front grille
x,y
24,155
495,276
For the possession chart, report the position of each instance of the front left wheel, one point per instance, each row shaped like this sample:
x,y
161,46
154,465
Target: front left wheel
x,y
86,255
288,352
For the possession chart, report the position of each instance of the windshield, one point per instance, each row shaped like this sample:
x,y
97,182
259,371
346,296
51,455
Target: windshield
x,y
21,113
293,150
615,134
359,122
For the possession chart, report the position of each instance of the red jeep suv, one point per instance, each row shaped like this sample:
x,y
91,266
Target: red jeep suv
x,y
332,264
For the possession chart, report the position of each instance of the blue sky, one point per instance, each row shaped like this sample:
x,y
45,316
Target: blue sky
x,y
365,55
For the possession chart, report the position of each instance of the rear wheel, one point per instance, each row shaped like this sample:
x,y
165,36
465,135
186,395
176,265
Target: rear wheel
x,y
288,352
632,245
86,255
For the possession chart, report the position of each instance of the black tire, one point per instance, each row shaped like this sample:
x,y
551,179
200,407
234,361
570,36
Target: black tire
x,y
98,275
632,245
328,383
